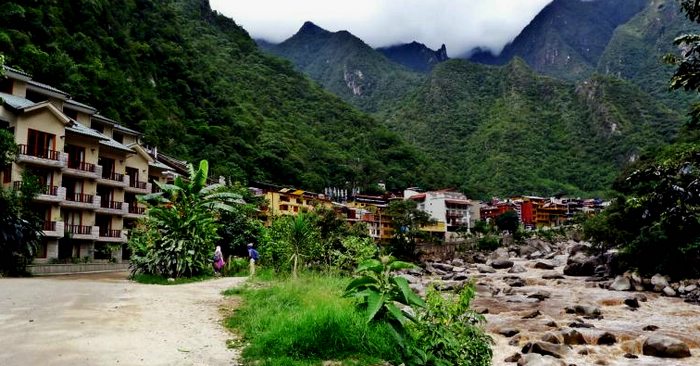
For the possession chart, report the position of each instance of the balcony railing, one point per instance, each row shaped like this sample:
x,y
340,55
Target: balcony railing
x,y
107,233
137,184
48,190
118,177
133,209
114,205
79,197
81,165
39,152
49,226
79,229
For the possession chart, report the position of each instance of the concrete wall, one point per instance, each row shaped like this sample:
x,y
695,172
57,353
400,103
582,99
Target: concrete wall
x,y
56,269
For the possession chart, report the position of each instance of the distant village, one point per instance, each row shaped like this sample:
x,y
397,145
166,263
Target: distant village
x,y
452,212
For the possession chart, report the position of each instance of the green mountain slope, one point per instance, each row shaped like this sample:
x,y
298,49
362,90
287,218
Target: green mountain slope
x,y
346,66
198,87
507,130
567,37
636,50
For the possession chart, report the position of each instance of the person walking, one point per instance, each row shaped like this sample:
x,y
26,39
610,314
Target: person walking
x,y
253,255
218,261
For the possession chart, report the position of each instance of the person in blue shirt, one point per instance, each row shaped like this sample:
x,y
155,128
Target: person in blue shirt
x,y
253,255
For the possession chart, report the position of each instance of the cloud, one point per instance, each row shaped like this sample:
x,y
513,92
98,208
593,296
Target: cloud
x,y
460,24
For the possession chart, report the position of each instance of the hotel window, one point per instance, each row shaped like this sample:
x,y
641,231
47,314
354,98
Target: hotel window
x,y
284,207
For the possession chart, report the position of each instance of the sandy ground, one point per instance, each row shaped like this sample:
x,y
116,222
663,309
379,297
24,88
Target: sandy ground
x,y
107,320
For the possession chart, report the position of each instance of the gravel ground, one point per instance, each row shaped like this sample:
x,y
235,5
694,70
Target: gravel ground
x,y
104,319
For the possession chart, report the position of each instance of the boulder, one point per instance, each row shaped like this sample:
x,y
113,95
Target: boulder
x,y
457,262
514,358
448,276
479,258
500,253
659,282
532,315
552,276
502,263
578,248
606,339
517,269
544,265
632,302
650,328
458,269
690,288
442,266
551,324
460,277
551,338
587,311
515,341
514,281
545,349
482,268
662,346
630,356
540,295
621,283
534,359
585,268
534,255
508,332
668,291
572,337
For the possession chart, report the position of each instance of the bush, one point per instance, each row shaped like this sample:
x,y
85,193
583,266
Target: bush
x,y
236,266
489,242
355,250
307,322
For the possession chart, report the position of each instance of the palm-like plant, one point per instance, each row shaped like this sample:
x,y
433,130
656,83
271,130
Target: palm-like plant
x,y
300,236
180,229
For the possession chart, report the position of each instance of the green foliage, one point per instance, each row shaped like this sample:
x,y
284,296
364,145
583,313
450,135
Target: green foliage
x,y
236,266
489,242
8,148
20,228
325,325
688,66
196,84
378,291
180,230
150,279
447,332
355,250
407,221
508,221
240,225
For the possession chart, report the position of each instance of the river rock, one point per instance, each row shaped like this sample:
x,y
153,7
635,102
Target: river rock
x,y
514,358
447,276
508,332
545,349
457,262
588,311
410,278
515,341
632,302
552,276
458,269
479,258
502,264
532,315
551,338
650,328
580,265
668,291
690,288
442,266
606,339
534,255
514,281
482,268
659,282
460,277
517,269
534,359
621,283
544,265
572,337
540,295
662,346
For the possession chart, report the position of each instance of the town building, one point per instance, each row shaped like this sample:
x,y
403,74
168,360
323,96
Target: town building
x,y
90,168
280,200
451,210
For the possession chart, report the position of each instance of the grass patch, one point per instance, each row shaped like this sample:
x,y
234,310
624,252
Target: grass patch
x,y
149,279
306,321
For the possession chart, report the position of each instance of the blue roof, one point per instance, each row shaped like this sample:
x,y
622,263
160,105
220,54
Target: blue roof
x,y
77,127
15,101
47,87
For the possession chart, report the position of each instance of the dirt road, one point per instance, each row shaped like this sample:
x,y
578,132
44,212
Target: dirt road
x,y
107,320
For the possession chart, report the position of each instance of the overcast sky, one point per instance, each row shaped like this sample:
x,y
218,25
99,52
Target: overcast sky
x,y
460,24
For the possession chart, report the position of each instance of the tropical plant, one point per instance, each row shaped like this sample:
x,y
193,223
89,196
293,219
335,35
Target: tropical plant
x,y
407,221
302,239
355,250
181,228
377,291
447,332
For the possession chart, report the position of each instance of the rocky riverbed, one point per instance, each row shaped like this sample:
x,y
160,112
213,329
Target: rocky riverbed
x,y
537,315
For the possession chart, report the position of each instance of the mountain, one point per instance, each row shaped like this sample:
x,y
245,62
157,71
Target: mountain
x,y
346,66
416,56
637,47
197,85
567,38
507,130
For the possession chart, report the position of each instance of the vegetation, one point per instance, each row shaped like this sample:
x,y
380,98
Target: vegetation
x,y
406,221
149,279
197,85
20,228
508,221
178,235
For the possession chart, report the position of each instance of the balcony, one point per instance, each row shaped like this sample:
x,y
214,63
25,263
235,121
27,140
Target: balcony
x,y
138,187
112,208
44,157
82,169
54,229
48,194
113,179
135,212
111,236
82,232
81,201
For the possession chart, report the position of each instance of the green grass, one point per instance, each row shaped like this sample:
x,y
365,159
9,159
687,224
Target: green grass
x,y
159,280
305,322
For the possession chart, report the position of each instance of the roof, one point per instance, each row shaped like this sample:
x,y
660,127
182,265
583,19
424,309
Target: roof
x,y
78,128
105,119
15,101
17,71
80,105
158,164
458,202
127,130
116,145
417,197
47,87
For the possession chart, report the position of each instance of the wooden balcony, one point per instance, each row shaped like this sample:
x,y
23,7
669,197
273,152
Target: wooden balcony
x,y
113,179
43,157
48,194
82,232
112,208
138,187
82,201
54,229
135,212
82,170
111,236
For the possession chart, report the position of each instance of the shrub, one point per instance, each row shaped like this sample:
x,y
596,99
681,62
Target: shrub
x,y
489,242
236,266
355,250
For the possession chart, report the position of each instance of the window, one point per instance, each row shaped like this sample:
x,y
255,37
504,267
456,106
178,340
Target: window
x,y
284,207
299,200
41,250
118,137
7,174
98,127
284,198
71,114
40,144
6,85
76,155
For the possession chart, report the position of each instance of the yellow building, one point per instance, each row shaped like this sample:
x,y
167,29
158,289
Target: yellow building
x,y
289,201
92,168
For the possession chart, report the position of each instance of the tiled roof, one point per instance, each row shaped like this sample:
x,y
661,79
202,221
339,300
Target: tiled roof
x,y
105,119
47,87
158,164
115,145
76,103
77,127
15,101
127,130
17,71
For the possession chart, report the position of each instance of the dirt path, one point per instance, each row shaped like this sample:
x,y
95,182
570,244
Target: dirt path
x,y
107,320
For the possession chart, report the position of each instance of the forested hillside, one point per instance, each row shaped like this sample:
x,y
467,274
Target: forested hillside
x,y
416,56
197,85
346,66
508,130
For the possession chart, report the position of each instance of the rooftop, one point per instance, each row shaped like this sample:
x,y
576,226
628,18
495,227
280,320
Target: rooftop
x,y
47,87
15,101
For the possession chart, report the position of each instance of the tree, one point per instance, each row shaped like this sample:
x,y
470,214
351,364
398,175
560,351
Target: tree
x,y
407,221
508,221
687,75
181,226
240,226
302,238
